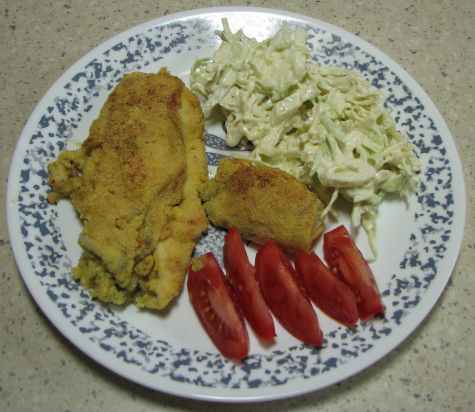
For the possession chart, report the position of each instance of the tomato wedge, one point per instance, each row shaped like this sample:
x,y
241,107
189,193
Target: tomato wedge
x,y
328,292
345,259
213,302
242,276
284,296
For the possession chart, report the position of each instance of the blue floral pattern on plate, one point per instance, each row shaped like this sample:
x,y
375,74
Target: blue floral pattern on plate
x,y
40,235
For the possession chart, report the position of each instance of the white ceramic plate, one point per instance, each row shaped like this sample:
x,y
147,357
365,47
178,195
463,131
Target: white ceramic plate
x,y
418,242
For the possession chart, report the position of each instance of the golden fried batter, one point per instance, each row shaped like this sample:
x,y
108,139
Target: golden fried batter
x,y
173,252
134,185
263,203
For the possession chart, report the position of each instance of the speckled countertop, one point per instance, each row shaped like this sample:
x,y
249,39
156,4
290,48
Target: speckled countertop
x,y
433,370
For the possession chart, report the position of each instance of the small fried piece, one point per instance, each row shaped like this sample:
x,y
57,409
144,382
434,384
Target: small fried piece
x,y
263,203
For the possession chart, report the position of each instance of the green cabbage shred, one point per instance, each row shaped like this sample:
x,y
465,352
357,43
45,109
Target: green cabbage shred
x,y
327,126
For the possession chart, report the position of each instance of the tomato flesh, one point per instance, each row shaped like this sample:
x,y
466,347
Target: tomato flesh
x,y
329,293
212,299
242,276
284,296
345,259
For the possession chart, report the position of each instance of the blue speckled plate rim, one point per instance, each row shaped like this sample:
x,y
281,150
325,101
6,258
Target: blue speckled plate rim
x,y
243,395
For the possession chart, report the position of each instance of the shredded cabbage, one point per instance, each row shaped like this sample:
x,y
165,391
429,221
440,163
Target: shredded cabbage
x,y
324,125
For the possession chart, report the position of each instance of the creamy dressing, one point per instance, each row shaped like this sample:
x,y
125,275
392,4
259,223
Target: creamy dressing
x,y
324,125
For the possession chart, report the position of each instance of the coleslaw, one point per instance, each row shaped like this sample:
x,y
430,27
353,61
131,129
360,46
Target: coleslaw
x,y
327,126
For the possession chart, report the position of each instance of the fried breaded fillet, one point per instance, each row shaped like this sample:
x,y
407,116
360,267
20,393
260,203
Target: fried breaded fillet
x,y
134,185
189,221
263,203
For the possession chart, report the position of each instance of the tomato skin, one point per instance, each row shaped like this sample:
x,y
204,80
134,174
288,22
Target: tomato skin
x,y
242,276
284,296
212,299
345,259
328,292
